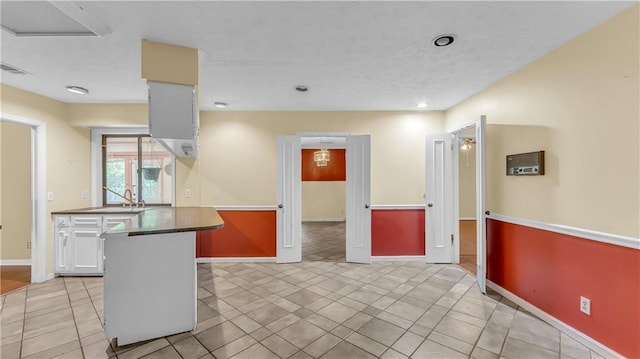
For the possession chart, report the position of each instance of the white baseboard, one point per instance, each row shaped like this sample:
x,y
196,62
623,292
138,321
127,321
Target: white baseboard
x,y
235,259
398,259
556,323
324,219
15,262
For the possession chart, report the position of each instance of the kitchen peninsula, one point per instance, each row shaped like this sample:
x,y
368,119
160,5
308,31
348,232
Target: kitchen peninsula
x,y
150,287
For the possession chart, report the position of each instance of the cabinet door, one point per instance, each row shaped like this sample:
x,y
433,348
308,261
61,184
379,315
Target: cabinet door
x,y
63,249
87,250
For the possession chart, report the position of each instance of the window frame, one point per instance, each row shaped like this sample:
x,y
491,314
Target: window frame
x,y
98,199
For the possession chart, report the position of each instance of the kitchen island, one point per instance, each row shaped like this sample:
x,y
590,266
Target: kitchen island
x,y
150,284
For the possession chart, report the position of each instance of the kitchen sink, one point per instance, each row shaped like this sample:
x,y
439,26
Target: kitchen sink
x,y
120,210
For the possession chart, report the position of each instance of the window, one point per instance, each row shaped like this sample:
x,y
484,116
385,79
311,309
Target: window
x,y
151,182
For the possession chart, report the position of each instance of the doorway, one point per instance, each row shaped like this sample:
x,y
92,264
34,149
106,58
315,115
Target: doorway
x,y
466,147
15,191
442,216
358,197
37,190
323,199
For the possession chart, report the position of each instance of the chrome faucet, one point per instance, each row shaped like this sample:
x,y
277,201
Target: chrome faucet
x,y
124,197
130,199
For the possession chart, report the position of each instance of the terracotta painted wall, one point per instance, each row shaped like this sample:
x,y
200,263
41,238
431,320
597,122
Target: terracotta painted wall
x,y
552,270
397,232
245,234
335,170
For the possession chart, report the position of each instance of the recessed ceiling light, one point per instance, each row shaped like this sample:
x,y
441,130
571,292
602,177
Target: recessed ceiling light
x,y
220,104
78,90
444,40
422,105
302,88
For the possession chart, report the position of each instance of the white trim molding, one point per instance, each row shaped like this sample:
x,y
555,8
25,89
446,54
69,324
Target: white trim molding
x,y
15,262
574,333
396,206
397,258
324,219
245,208
236,260
624,241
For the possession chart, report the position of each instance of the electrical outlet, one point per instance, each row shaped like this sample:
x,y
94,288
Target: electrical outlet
x,y
84,194
187,193
585,305
49,196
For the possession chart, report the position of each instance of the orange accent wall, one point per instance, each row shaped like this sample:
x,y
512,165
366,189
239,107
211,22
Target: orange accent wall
x,y
335,170
245,234
397,232
552,270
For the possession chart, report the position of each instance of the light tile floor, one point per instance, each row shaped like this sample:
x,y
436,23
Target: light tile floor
x,y
314,309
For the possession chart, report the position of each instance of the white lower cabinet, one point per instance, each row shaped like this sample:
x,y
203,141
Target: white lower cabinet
x,y
79,250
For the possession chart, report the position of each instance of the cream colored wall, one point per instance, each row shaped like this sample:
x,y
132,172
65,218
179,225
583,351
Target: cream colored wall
x,y
16,202
323,199
68,151
237,158
108,115
467,182
580,104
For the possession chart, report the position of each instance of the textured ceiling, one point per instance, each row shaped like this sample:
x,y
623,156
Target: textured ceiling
x,y
352,55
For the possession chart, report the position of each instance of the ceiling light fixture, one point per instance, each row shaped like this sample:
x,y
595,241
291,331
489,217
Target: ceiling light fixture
x,y
78,90
322,158
302,88
422,105
220,104
444,40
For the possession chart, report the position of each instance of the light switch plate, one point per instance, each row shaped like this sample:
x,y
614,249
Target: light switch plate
x,y
49,196
84,193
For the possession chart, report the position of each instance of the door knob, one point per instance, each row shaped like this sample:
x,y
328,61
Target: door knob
x,y
487,213
430,205
366,206
280,205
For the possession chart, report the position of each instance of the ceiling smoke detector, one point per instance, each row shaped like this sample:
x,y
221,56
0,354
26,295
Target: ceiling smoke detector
x,y
78,90
302,88
444,40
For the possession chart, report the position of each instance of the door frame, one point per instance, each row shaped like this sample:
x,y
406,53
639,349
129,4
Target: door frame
x,y
308,134
38,194
480,132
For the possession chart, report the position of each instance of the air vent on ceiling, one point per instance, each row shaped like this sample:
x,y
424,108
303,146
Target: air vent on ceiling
x,y
49,18
13,69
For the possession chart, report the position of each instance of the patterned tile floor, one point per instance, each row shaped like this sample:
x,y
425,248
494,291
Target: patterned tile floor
x,y
321,308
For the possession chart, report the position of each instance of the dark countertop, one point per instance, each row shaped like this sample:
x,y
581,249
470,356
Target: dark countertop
x,y
103,210
160,220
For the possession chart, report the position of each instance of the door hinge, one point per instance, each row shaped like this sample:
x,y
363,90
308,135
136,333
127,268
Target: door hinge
x,y
452,239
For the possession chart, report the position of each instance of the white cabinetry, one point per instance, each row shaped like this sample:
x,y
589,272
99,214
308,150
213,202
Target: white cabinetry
x,y
77,242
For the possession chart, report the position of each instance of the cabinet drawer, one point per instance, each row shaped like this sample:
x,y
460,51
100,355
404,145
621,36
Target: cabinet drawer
x,y
112,221
61,221
86,221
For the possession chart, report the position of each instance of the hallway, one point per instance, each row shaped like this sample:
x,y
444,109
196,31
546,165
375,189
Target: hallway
x,y
323,241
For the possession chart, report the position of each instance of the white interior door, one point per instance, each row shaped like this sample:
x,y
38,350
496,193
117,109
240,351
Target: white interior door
x,y
481,224
289,198
439,198
358,199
